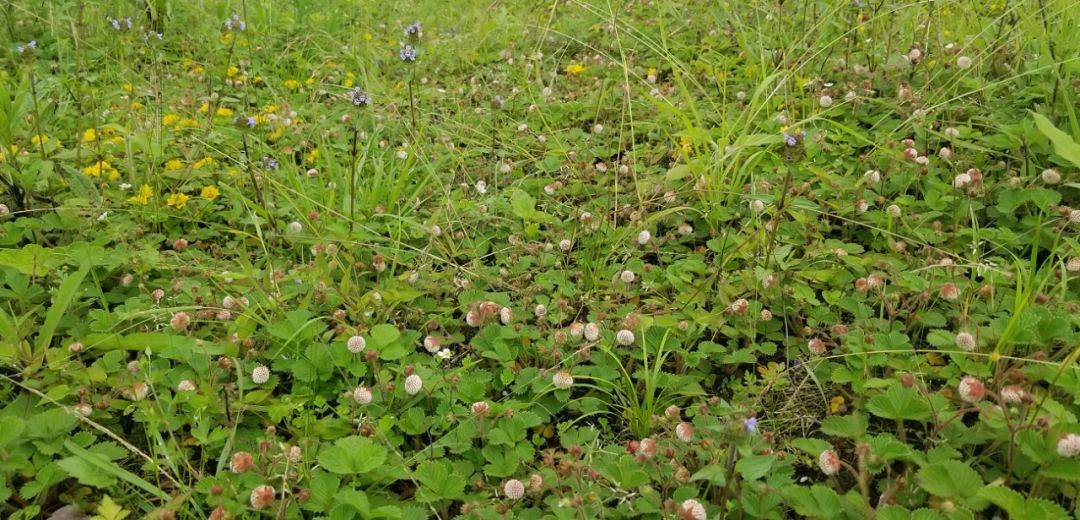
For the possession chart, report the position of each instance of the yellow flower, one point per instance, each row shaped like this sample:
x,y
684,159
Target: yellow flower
x,y
310,81
39,139
169,119
89,135
188,123
312,156
116,141
292,84
202,162
127,87
177,200
209,193
574,69
270,109
173,165
101,168
836,405
136,105
204,108
368,36
224,112
348,83
652,71
143,197
232,71
261,119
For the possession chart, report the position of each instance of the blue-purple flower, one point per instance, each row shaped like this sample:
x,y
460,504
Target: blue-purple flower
x,y
270,164
31,45
251,121
408,53
359,97
414,30
750,424
235,21
499,102
795,137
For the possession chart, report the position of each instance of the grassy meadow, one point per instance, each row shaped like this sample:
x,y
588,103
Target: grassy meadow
x,y
562,259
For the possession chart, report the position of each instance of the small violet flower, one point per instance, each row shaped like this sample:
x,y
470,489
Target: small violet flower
x,y
408,53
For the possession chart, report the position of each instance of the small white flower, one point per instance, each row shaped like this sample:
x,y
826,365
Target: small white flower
x,y
592,332
963,62
1068,445
757,205
625,337
961,180
693,510
514,489
505,315
872,176
356,344
481,187
1051,176
952,132
565,245
829,462
504,168
540,310
295,227
627,276
893,210
562,380
431,344
965,341
825,101
643,237
444,354
185,386
598,128
362,395
402,154
260,375
413,384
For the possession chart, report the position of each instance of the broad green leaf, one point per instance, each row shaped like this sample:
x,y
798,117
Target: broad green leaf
x,y
900,403
352,455
1064,144
950,478
438,481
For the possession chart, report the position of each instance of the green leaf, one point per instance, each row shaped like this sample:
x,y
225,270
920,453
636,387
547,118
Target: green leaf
x,y
899,403
92,468
1064,144
848,426
438,481
384,334
950,478
109,510
67,294
817,501
754,467
523,204
713,474
1008,500
351,455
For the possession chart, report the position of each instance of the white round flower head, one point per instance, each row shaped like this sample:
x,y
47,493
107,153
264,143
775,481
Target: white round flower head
x,y
757,206
262,497
362,395
504,168
1068,445
592,332
481,187
627,276
829,462
565,245
413,384
914,55
963,62
260,375
961,180
356,344
562,380
295,227
1074,216
971,389
693,510
872,176
625,337
1051,176
431,344
945,152
402,154
1073,265
185,386
952,132
436,230
472,319
825,101
686,229
893,210
84,409
684,432
1013,394
540,310
597,128
514,489
965,341
505,315
643,237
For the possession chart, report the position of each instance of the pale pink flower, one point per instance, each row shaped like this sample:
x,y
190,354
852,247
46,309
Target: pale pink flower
x,y
514,489
362,395
1068,445
260,375
684,432
262,497
829,462
625,337
971,389
356,344
692,510
562,380
413,384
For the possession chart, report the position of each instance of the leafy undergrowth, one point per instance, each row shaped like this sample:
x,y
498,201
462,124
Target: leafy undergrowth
x,y
645,259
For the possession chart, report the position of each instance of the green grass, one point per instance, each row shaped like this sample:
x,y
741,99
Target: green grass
x,y
156,248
